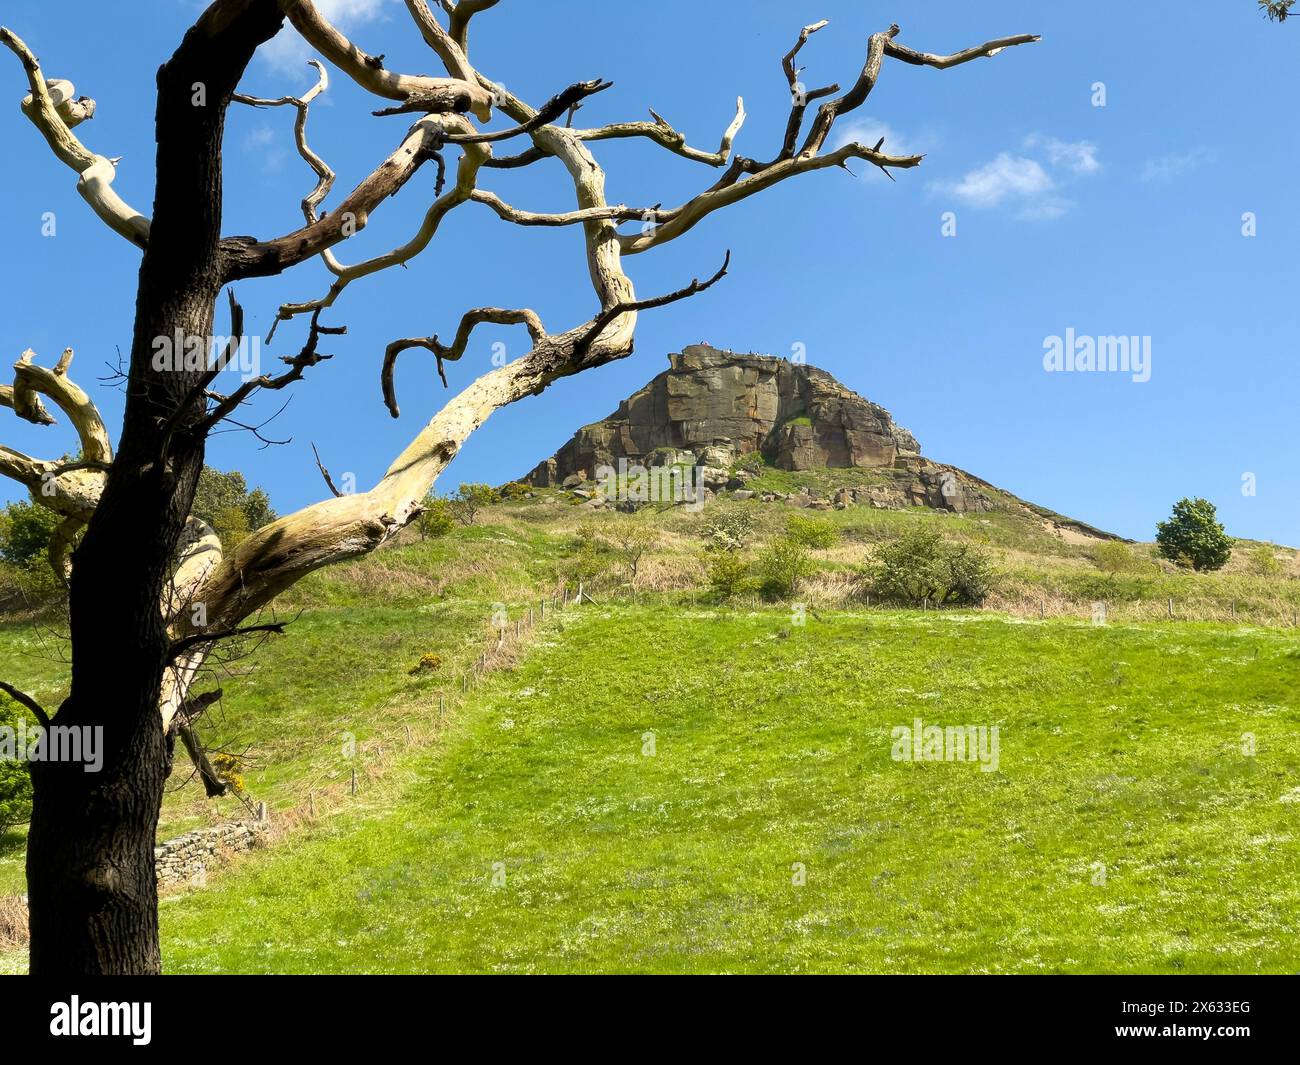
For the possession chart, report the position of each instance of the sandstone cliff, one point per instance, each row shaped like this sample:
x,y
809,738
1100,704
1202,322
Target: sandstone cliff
x,y
711,408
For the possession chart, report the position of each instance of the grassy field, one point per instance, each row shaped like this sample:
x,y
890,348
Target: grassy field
x,y
1125,829
1121,762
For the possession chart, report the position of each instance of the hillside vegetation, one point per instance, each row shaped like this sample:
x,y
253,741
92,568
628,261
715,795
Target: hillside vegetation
x,y
1122,745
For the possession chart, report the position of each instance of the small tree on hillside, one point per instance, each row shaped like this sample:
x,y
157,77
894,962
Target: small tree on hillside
x,y
470,499
1194,537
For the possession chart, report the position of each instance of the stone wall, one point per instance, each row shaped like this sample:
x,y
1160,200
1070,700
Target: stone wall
x,y
185,860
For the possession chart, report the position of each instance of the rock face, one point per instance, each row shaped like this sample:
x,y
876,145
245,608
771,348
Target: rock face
x,y
720,406
712,408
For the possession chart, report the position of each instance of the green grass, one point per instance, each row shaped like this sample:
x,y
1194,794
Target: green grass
x,y
1120,747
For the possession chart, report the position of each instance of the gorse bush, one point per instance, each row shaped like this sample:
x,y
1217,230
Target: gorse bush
x,y
921,565
813,532
728,574
783,566
1193,536
437,519
1115,557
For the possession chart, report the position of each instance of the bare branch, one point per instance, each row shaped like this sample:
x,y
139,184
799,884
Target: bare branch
x,y
466,174
324,175
943,62
37,710
440,95
682,219
247,257
553,108
325,473
204,638
442,353
619,213
602,322
460,17
661,132
298,365
54,115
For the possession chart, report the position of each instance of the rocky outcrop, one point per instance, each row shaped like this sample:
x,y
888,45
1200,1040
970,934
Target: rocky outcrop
x,y
712,408
720,406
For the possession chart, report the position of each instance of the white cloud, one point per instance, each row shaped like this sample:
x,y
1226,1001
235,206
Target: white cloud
x,y
1008,177
1029,181
1078,157
1167,168
287,51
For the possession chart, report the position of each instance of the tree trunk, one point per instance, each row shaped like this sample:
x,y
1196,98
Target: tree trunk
x,y
90,867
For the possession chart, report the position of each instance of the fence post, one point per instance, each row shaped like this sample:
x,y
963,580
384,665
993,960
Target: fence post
x,y
1042,609
440,698
1171,608
354,780
1234,610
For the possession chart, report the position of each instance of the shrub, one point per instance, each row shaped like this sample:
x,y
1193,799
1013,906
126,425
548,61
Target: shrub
x,y
783,567
812,532
438,518
922,565
514,491
15,776
429,663
727,574
730,529
634,537
1194,537
1264,561
1115,557
587,558
470,499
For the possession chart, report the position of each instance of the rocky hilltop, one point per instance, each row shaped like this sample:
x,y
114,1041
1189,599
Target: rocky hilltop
x,y
712,408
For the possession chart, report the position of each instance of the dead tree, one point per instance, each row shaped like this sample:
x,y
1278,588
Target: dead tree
x,y
150,591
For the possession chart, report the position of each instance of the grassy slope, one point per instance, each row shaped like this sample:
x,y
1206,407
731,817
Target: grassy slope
x,y
1119,745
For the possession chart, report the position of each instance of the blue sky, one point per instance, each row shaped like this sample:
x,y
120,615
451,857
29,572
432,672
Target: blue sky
x,y
1125,219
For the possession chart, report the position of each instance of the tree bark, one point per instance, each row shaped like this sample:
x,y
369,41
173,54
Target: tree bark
x,y
90,853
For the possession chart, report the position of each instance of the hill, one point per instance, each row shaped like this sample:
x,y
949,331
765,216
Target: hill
x,y
378,681
728,416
